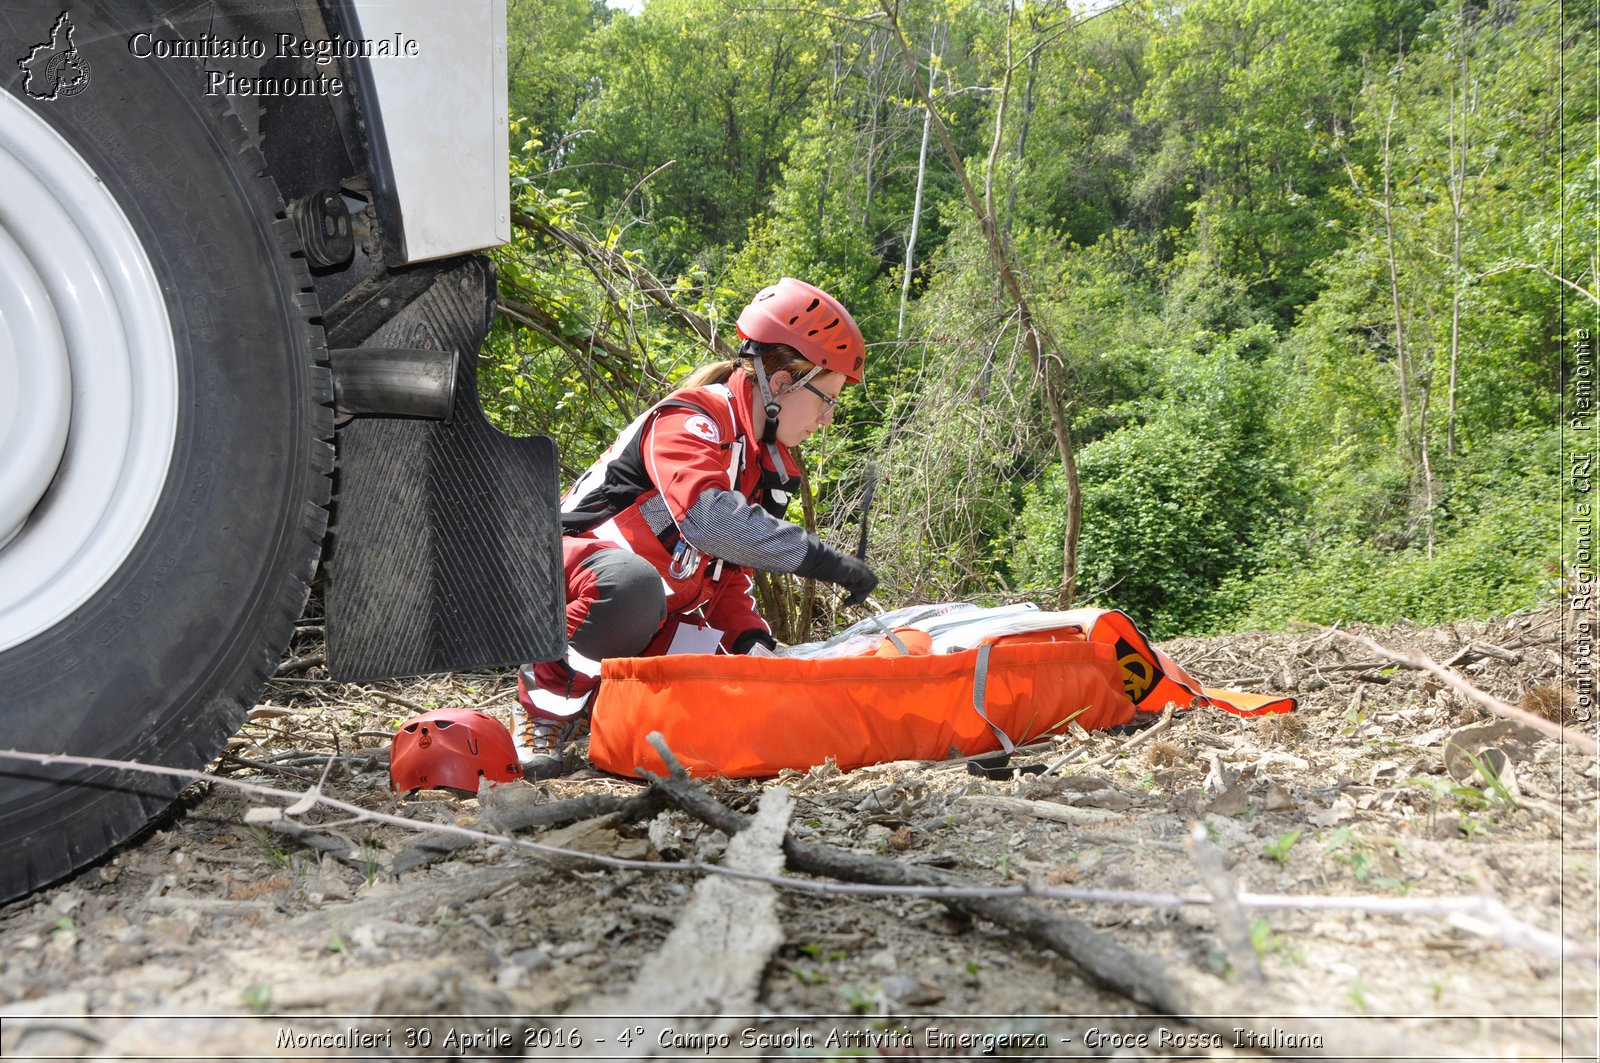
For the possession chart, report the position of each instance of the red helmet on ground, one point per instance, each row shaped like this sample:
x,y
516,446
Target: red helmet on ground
x,y
811,321
451,747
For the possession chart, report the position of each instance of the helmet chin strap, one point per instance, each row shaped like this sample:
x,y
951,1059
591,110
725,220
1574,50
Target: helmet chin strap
x,y
769,404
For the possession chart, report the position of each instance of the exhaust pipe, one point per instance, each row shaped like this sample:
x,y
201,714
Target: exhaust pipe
x,y
394,382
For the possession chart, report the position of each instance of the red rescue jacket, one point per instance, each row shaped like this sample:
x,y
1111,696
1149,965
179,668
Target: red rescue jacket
x,y
637,492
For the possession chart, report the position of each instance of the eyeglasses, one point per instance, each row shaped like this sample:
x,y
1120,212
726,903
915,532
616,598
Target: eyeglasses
x,y
827,400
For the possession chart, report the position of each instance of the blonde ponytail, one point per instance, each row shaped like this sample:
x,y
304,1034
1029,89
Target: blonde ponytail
x,y
715,373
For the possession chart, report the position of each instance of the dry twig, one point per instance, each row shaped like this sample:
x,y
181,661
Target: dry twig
x,y
1143,736
1500,708
1108,963
396,699
533,817
300,664
1232,923
1479,914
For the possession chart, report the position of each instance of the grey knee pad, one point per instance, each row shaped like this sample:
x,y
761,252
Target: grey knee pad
x,y
628,610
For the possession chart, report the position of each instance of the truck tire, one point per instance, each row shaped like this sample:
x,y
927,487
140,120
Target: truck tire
x,y
166,540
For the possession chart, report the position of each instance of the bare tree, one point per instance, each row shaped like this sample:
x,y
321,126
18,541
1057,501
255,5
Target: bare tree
x,y
1413,429
1036,339
1460,108
916,202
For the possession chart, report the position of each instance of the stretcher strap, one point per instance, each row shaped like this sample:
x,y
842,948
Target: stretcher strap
x,y
895,640
980,683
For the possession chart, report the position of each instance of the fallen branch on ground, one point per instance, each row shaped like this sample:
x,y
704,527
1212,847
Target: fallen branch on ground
x,y
340,848
531,817
1232,924
1109,964
300,664
396,699
1479,915
1106,758
1456,682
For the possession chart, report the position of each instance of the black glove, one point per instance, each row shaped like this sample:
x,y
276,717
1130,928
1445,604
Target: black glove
x,y
825,563
748,640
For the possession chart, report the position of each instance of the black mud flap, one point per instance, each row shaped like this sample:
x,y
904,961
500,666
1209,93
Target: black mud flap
x,y
445,550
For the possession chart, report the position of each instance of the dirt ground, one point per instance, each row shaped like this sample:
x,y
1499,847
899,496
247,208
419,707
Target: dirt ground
x,y
214,935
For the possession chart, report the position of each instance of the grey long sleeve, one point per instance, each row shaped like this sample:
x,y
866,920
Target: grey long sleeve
x,y
725,524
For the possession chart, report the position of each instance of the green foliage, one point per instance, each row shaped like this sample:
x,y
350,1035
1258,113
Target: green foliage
x,y
1278,848
1498,552
711,87
814,232
1245,87
1266,943
1178,499
566,358
547,67
1296,263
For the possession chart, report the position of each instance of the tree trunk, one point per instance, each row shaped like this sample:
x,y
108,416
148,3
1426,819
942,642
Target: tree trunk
x,y
875,78
916,202
1000,107
1402,365
1458,185
1427,469
1022,139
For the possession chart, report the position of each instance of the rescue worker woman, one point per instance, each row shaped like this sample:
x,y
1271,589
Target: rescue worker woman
x,y
661,533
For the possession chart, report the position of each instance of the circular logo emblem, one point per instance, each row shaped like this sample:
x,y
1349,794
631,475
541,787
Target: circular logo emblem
x,y
67,74
703,427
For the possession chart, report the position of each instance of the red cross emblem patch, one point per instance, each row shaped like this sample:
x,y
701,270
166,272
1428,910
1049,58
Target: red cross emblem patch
x,y
703,427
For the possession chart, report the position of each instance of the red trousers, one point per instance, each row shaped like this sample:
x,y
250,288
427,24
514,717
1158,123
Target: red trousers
x,y
616,607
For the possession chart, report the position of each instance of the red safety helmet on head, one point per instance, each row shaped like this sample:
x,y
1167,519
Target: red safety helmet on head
x,y
451,747
811,321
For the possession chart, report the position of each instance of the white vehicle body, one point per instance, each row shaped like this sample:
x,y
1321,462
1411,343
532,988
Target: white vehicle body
x,y
444,115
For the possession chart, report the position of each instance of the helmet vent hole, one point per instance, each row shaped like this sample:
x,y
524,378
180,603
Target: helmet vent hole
x,y
831,324
813,305
792,320
442,724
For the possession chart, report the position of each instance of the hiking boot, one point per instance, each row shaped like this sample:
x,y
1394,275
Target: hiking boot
x,y
541,745
549,707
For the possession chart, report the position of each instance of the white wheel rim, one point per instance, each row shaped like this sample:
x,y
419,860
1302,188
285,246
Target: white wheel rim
x,y
86,350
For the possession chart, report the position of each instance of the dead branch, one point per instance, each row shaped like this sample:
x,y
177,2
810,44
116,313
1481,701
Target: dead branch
x,y
547,325
1143,736
1036,336
598,258
396,699
262,766
1500,708
1048,810
711,964
1232,923
529,818
1477,651
616,215
1107,963
341,849
1478,914
300,664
